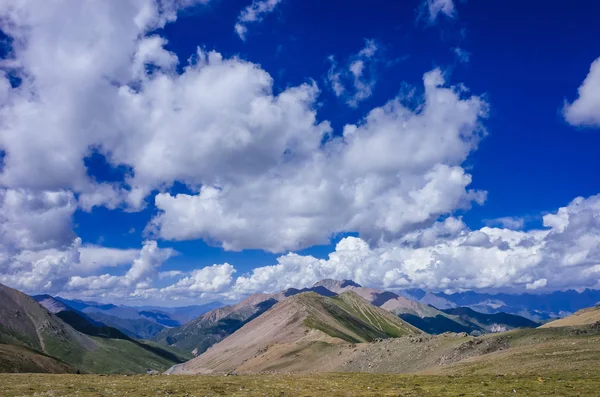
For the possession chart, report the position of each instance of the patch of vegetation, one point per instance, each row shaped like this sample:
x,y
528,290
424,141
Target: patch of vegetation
x,y
334,385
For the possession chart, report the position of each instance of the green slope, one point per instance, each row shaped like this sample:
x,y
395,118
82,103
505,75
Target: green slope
x,y
348,316
23,359
25,323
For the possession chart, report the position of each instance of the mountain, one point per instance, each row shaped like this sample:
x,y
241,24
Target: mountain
x,y
139,322
304,325
588,316
139,328
535,307
198,335
183,314
484,323
337,286
26,324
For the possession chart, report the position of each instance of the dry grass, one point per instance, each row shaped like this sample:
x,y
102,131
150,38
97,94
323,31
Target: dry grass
x,y
345,385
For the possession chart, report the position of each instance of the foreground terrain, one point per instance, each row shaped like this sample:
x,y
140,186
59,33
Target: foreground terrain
x,y
572,384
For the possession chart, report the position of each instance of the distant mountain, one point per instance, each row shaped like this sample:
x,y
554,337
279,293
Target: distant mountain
x,y
25,323
139,328
139,322
588,316
486,323
304,324
198,335
542,306
535,307
183,314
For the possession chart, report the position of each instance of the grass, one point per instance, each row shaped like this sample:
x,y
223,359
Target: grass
x,y
346,385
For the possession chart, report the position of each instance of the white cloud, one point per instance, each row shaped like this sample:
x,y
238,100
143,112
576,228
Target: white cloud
x,y
254,13
31,220
396,169
356,81
210,279
449,256
70,270
585,110
435,8
137,281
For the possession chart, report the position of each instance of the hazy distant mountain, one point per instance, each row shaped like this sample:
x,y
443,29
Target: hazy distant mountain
x,y
535,307
181,314
198,335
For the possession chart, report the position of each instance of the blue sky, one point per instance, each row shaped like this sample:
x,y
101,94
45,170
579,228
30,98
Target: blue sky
x,y
108,120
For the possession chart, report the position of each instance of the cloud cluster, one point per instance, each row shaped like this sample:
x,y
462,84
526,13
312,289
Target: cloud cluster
x,y
396,169
585,110
254,13
449,256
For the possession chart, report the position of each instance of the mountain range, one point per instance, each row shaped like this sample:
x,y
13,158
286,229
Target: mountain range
x,y
137,322
308,332
537,307
333,325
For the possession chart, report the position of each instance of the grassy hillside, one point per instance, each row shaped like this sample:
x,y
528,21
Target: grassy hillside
x,y
582,317
349,317
25,323
23,359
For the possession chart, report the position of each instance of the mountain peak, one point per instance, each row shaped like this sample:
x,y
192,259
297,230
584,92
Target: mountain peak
x,y
336,286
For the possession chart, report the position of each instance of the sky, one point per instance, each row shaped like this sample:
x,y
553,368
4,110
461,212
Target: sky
x,y
181,151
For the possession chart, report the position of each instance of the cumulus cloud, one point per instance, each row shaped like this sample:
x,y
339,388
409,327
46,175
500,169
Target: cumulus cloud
x,y
585,110
70,270
254,13
355,81
34,220
208,280
449,256
395,170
